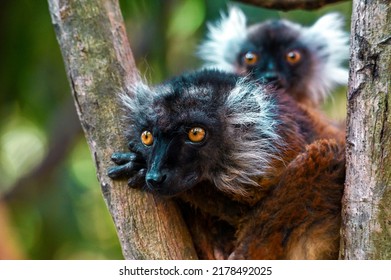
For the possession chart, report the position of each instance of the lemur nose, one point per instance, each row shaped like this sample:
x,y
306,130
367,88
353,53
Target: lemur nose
x,y
154,180
269,77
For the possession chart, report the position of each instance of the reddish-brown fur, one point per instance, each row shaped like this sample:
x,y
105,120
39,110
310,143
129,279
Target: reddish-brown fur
x,y
295,211
300,218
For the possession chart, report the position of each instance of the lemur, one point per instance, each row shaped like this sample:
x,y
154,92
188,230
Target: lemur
x,y
265,172
307,62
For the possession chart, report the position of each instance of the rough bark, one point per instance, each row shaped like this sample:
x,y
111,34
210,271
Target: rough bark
x,y
287,5
99,62
366,232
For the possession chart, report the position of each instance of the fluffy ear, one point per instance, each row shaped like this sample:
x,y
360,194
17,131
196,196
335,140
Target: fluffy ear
x,y
251,119
329,43
137,100
224,40
136,95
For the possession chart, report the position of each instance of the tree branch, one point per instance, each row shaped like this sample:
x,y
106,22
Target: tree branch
x,y
367,199
287,5
99,62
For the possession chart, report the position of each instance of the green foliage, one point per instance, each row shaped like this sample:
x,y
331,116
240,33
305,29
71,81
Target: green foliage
x,y
61,215
23,145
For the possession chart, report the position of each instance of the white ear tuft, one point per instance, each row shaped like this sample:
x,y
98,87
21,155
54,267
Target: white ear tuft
x,y
329,42
136,97
224,40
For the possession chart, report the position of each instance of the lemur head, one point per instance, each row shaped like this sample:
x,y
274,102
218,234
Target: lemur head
x,y
305,61
207,126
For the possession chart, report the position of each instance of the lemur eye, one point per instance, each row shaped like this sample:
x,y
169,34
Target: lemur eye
x,y
147,138
196,134
293,57
250,58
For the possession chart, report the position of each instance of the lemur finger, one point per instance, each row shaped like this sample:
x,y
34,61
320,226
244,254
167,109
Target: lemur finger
x,y
124,171
121,158
138,180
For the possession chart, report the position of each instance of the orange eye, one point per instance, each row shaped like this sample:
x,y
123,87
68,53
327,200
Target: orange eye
x,y
147,138
196,134
293,57
250,58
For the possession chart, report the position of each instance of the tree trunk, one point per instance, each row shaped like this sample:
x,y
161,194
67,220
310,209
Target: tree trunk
x,y
99,62
366,232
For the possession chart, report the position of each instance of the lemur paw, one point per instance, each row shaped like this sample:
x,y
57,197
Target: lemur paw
x,y
129,165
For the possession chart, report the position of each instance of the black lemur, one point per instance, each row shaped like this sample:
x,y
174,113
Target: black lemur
x,y
247,158
307,62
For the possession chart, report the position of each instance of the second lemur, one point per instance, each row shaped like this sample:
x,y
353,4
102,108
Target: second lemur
x,y
241,155
307,62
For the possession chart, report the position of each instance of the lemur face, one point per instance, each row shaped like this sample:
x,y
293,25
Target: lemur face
x,y
306,62
204,126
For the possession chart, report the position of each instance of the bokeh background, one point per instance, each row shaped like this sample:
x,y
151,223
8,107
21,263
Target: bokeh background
x,y
51,206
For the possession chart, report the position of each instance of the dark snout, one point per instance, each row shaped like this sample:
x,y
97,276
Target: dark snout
x,y
269,77
170,183
155,180
273,79
169,173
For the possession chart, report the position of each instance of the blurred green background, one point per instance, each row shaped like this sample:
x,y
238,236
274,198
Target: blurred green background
x,y
51,206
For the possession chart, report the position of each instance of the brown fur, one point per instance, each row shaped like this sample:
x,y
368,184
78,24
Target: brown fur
x,y
300,218
295,211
